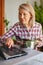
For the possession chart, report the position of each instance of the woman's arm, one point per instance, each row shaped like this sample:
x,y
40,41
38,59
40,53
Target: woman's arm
x,y
39,41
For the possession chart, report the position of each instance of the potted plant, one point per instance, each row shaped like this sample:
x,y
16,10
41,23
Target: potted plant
x,y
38,13
6,22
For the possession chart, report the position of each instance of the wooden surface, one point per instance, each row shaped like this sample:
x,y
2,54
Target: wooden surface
x,y
1,17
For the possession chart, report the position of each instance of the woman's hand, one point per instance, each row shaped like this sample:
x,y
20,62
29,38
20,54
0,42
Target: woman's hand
x,y
38,44
9,42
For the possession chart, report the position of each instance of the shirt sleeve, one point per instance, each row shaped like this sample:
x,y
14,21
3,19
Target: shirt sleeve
x,y
10,33
40,32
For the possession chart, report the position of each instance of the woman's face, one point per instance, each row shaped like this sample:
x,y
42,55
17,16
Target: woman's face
x,y
24,16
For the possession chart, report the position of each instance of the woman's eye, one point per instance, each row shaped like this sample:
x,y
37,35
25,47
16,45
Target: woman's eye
x,y
19,13
24,14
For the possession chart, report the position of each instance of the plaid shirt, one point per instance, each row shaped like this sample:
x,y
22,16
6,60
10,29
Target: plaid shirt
x,y
21,31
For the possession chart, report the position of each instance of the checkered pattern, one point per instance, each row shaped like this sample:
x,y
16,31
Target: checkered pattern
x,y
21,31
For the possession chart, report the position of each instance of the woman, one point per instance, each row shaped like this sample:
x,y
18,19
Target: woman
x,y
26,28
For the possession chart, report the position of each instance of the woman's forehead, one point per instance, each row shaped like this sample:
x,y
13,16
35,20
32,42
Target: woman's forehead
x,y
24,8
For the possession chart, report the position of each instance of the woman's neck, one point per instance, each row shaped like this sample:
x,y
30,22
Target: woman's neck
x,y
28,26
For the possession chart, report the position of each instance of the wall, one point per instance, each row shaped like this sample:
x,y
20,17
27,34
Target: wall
x,y
11,9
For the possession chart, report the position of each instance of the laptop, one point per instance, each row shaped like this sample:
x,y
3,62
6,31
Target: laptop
x,y
13,52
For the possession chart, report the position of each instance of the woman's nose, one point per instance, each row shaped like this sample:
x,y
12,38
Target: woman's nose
x,y
22,16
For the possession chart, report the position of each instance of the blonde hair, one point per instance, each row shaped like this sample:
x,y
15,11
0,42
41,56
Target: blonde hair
x,y
30,9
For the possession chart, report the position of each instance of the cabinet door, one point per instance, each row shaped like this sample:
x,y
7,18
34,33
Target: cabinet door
x,y
1,17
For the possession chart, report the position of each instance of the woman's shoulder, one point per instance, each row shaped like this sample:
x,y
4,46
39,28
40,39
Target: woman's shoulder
x,y
16,24
37,24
